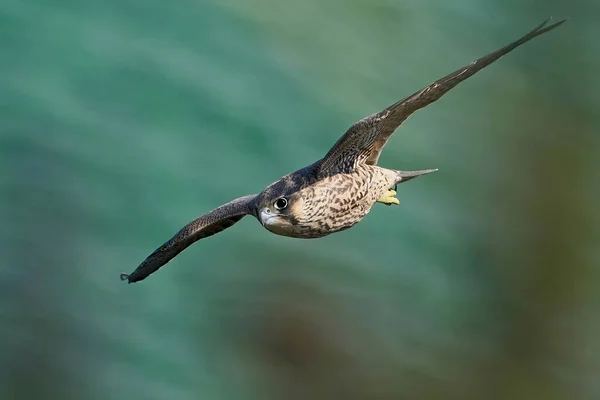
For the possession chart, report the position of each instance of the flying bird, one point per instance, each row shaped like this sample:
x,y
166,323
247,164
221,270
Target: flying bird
x,y
335,192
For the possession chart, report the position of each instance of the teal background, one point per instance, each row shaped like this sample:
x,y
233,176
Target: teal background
x,y
120,121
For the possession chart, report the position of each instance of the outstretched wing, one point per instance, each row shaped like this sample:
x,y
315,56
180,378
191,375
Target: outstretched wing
x,y
210,223
364,140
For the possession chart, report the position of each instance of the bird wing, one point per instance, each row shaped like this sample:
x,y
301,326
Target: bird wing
x,y
363,141
207,225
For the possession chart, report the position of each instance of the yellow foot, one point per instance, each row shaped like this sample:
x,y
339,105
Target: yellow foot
x,y
389,198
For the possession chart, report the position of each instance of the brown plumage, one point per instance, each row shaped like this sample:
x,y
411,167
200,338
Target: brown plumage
x,y
337,191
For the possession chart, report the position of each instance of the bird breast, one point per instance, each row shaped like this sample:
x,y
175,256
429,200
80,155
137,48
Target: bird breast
x,y
337,202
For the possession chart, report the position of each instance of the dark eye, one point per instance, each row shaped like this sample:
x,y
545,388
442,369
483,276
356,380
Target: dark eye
x,y
281,203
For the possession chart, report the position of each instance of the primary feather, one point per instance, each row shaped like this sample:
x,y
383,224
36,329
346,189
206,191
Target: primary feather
x,y
364,140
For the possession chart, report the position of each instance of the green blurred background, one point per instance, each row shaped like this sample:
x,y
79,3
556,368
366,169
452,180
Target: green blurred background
x,y
122,120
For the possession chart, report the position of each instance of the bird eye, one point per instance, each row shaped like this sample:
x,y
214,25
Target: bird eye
x,y
281,203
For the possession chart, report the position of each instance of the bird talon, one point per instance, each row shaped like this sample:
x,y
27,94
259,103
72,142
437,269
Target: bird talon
x,y
389,198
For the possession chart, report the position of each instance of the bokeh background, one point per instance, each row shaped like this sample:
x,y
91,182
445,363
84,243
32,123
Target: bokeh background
x,y
122,120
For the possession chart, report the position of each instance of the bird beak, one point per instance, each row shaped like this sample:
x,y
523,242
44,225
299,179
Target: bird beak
x,y
264,215
407,175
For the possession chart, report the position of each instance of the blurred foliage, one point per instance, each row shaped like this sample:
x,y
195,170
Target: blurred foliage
x,y
123,120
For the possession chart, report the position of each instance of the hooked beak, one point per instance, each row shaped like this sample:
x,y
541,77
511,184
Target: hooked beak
x,y
264,215
408,175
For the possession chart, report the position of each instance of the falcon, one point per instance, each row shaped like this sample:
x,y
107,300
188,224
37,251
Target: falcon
x,y
336,192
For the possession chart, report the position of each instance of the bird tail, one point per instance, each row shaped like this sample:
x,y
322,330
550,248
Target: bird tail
x,y
404,176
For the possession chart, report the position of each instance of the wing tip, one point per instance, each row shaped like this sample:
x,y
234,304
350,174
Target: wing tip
x,y
539,29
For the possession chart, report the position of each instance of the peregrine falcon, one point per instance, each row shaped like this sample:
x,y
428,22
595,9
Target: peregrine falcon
x,y
335,192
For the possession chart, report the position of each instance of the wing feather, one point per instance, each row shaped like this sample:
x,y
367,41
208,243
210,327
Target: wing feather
x,y
207,225
364,140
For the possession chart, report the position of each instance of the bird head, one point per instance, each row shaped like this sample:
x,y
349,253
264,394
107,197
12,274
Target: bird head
x,y
278,207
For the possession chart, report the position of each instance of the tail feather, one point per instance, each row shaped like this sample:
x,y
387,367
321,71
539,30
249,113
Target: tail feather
x,y
404,176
